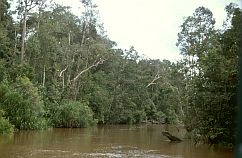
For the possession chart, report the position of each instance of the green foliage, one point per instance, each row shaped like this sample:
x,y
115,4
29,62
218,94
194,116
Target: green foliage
x,y
5,126
22,105
6,30
2,70
211,69
72,114
72,75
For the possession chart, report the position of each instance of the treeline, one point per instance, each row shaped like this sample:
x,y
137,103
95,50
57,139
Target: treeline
x,y
60,70
69,74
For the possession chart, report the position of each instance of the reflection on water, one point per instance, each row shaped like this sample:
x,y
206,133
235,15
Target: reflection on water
x,y
102,141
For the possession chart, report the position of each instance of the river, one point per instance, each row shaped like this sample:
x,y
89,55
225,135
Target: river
x,y
108,141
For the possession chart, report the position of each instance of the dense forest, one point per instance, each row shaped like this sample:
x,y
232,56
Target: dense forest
x,y
61,70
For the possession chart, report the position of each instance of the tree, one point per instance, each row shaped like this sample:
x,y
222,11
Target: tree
x,y
211,74
24,7
6,31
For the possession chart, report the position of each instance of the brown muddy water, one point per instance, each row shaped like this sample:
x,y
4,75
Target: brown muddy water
x,y
116,141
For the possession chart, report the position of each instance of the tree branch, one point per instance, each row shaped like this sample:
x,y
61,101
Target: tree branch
x,y
29,4
60,75
95,64
157,76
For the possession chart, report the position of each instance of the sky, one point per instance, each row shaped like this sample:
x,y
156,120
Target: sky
x,y
151,26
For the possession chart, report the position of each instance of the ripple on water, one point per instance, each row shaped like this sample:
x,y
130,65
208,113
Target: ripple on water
x,y
125,152
45,153
122,155
116,152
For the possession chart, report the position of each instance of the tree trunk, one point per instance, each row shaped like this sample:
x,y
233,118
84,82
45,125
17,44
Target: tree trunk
x,y
24,32
69,38
15,39
43,83
62,74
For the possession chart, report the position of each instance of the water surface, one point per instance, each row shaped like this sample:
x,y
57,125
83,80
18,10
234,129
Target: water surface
x,y
103,141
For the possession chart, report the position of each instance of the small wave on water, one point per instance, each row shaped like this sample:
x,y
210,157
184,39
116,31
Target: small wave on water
x,y
113,152
45,153
122,155
125,152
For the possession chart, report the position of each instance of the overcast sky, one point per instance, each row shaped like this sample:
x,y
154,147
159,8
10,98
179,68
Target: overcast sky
x,y
151,26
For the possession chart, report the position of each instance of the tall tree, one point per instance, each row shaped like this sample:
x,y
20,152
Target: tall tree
x,y
24,7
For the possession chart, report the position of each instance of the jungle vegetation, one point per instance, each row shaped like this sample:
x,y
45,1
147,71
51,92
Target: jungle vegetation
x,y
61,70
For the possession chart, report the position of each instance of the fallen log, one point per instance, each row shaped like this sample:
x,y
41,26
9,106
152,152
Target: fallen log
x,y
171,137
